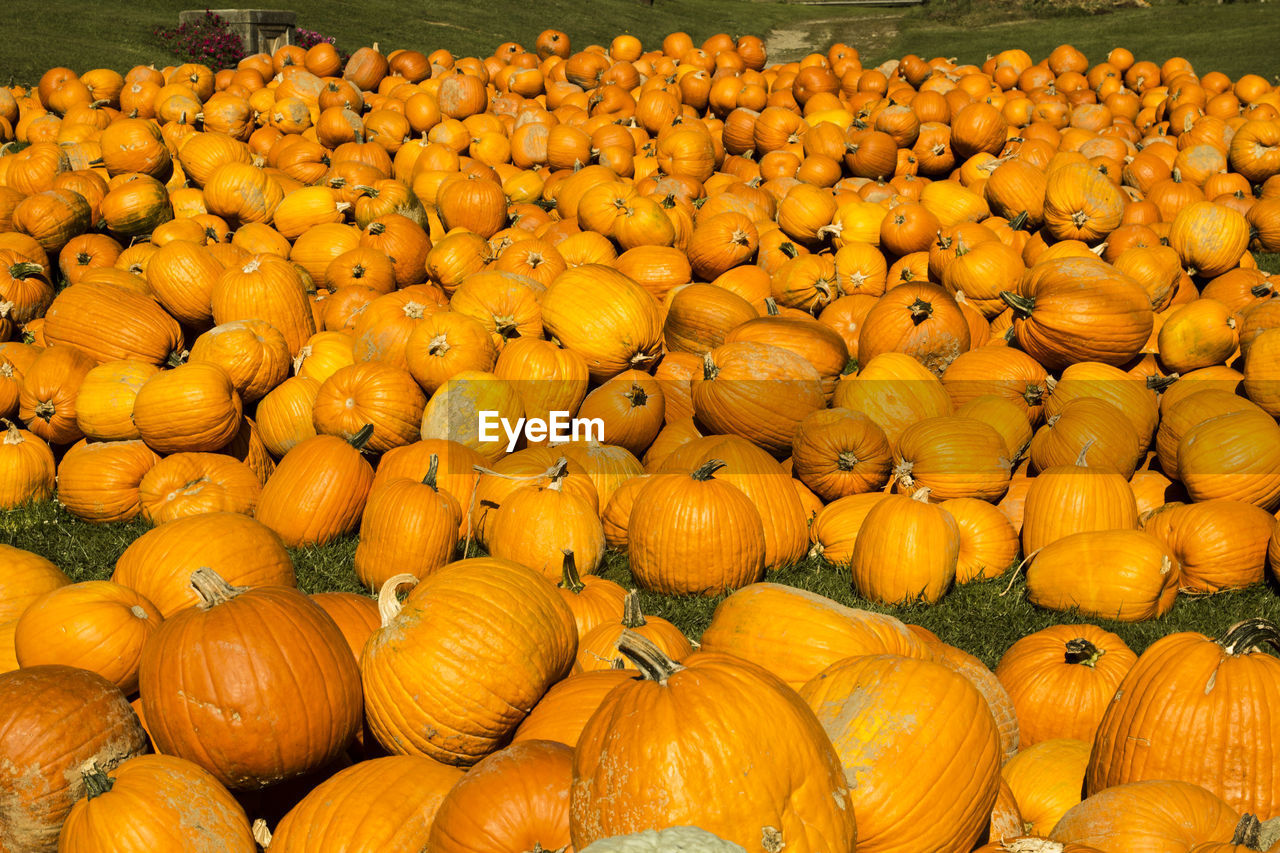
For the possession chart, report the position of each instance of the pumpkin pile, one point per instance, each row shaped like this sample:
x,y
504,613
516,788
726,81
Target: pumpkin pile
x,y
924,321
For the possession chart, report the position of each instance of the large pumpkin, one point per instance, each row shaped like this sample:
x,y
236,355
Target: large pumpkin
x,y
246,667
907,551
1148,817
411,663
318,491
1115,574
108,322
657,749
194,407
608,319
1160,723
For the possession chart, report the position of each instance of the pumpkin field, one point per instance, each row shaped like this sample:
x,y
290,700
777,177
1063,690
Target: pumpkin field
x,y
641,443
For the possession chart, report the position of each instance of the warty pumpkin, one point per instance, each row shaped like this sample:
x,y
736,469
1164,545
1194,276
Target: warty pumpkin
x,y
621,761
280,670
530,629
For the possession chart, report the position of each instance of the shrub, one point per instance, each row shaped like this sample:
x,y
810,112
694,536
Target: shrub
x,y
208,41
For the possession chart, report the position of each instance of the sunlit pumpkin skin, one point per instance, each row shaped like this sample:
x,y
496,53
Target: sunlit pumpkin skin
x,y
874,710
795,634
952,457
1133,396
402,663
55,719
1080,309
28,465
725,552
1080,203
1210,238
317,492
1006,372
192,408
104,406
820,345
895,391
370,392
108,322
160,562
1188,676
921,320
254,354
1221,544
213,684
627,335
1047,780
988,540
514,800
47,395
27,577
838,452
563,712
95,625
985,682
1261,375
450,414
1126,575
906,551
699,316
385,803
593,600
407,525
155,802
265,287
756,391
1148,817
598,648
1235,456
184,484
1092,426
630,774
1066,499
1061,679
100,481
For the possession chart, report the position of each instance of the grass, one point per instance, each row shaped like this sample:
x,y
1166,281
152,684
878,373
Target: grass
x,y
984,618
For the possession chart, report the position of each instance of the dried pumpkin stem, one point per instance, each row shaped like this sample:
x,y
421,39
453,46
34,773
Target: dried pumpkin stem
x,y
389,606
212,589
653,664
1249,636
709,369
632,616
96,780
433,467
1248,832
708,468
1083,652
569,578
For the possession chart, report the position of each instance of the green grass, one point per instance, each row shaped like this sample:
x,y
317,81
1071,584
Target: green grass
x,y
984,618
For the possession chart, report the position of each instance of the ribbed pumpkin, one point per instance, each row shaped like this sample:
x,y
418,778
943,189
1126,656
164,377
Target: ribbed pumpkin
x,y
445,344
1066,499
1146,817
593,600
1159,724
631,773
1233,456
988,541
370,393
55,720
284,415
548,378
100,481
246,665
47,396
406,525
1221,544
160,562
28,467
621,329
757,391
921,320
562,713
1209,237
795,634
1047,780
1081,203
1080,309
155,802
598,648
1261,376
834,531
1135,397
455,470
451,412
530,630
1008,373
906,551
1061,679
725,552
1125,575
318,491
877,711
254,354
700,316
1087,425
27,577
895,391
269,288
608,465
184,484
104,406
108,322
385,803
538,522
838,452
194,407
952,457
95,625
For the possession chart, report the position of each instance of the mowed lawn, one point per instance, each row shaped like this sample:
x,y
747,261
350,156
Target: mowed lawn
x,y
985,617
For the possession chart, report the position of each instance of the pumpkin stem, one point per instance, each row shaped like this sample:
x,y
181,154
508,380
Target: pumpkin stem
x,y
1023,305
921,494
902,475
653,664
362,436
1159,383
569,578
771,306
261,834
632,617
96,780
1249,636
212,588
708,468
1083,652
12,435
1082,460
25,269
1248,832
920,311
1260,290
432,468
1019,222
557,473
846,460
389,606
789,249
709,369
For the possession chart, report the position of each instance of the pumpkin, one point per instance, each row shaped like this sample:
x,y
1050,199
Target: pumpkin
x,y
450,414
1209,238
598,648
689,838
184,484
1080,309
795,633
104,406
921,320
530,780
159,563
1198,334
537,523
1148,816
444,344
28,467
531,632
265,287
101,481
318,491
1046,779
1061,679
27,578
95,625
1087,425
632,406
1125,575
907,550
370,393
284,415
254,354
1066,499
626,335
155,802
194,407
548,378
1133,396
108,322
895,391
1144,737
834,531
1260,375
47,396
952,457
700,316
874,709
1001,371
55,720
593,600
726,553
384,803
838,452
1234,456
664,767
281,670
1221,544
988,541
1081,203
407,524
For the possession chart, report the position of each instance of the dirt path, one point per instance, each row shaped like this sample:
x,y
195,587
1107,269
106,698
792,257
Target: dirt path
x,y
870,35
